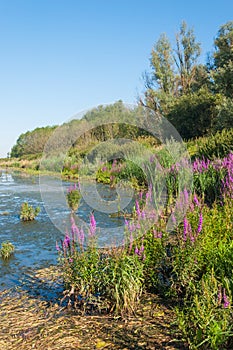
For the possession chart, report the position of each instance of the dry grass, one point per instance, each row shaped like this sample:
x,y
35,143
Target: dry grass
x,y
29,322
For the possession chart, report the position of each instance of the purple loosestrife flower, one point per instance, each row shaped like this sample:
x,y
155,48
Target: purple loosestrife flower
x,y
72,188
172,168
131,227
185,222
137,208
141,250
74,228
192,238
152,158
66,241
130,242
143,214
72,220
226,302
220,296
199,228
149,194
195,200
191,207
81,236
92,225
186,196
57,247
157,234
70,260
173,218
200,165
136,251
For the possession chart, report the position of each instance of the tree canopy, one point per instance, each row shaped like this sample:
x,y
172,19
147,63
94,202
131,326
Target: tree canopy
x,y
195,97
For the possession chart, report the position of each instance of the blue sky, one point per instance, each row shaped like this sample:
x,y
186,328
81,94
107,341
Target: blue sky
x,y
59,57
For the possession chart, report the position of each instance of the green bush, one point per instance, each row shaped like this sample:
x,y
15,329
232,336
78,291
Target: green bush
x,y
7,249
206,317
106,279
218,145
73,197
202,266
28,213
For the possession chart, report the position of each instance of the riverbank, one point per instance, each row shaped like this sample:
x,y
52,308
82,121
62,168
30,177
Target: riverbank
x,y
31,168
31,322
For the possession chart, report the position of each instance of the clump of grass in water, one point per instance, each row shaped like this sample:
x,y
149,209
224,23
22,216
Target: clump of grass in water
x,y
7,249
73,197
28,213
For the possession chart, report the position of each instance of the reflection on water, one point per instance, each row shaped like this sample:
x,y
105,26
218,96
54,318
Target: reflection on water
x,y
35,241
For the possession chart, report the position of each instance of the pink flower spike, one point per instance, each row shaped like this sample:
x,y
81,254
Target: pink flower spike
x,y
141,249
137,208
143,214
185,228
199,228
226,302
195,200
81,237
92,224
57,247
130,242
136,251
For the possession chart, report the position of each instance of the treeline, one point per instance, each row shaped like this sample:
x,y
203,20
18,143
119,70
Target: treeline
x,y
98,125
196,98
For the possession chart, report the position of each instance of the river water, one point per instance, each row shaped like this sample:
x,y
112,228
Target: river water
x,y
35,241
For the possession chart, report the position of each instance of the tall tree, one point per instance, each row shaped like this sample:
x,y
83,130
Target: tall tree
x,y
173,72
162,64
186,55
223,60
160,84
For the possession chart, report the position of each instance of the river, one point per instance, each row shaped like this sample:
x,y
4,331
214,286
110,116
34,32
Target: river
x,y
35,241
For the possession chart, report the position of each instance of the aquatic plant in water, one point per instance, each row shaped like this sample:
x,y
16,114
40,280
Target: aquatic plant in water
x,y
7,249
73,197
28,213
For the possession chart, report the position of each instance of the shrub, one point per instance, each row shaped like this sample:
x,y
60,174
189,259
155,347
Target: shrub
x,y
106,279
202,266
7,249
73,197
28,213
218,145
206,317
